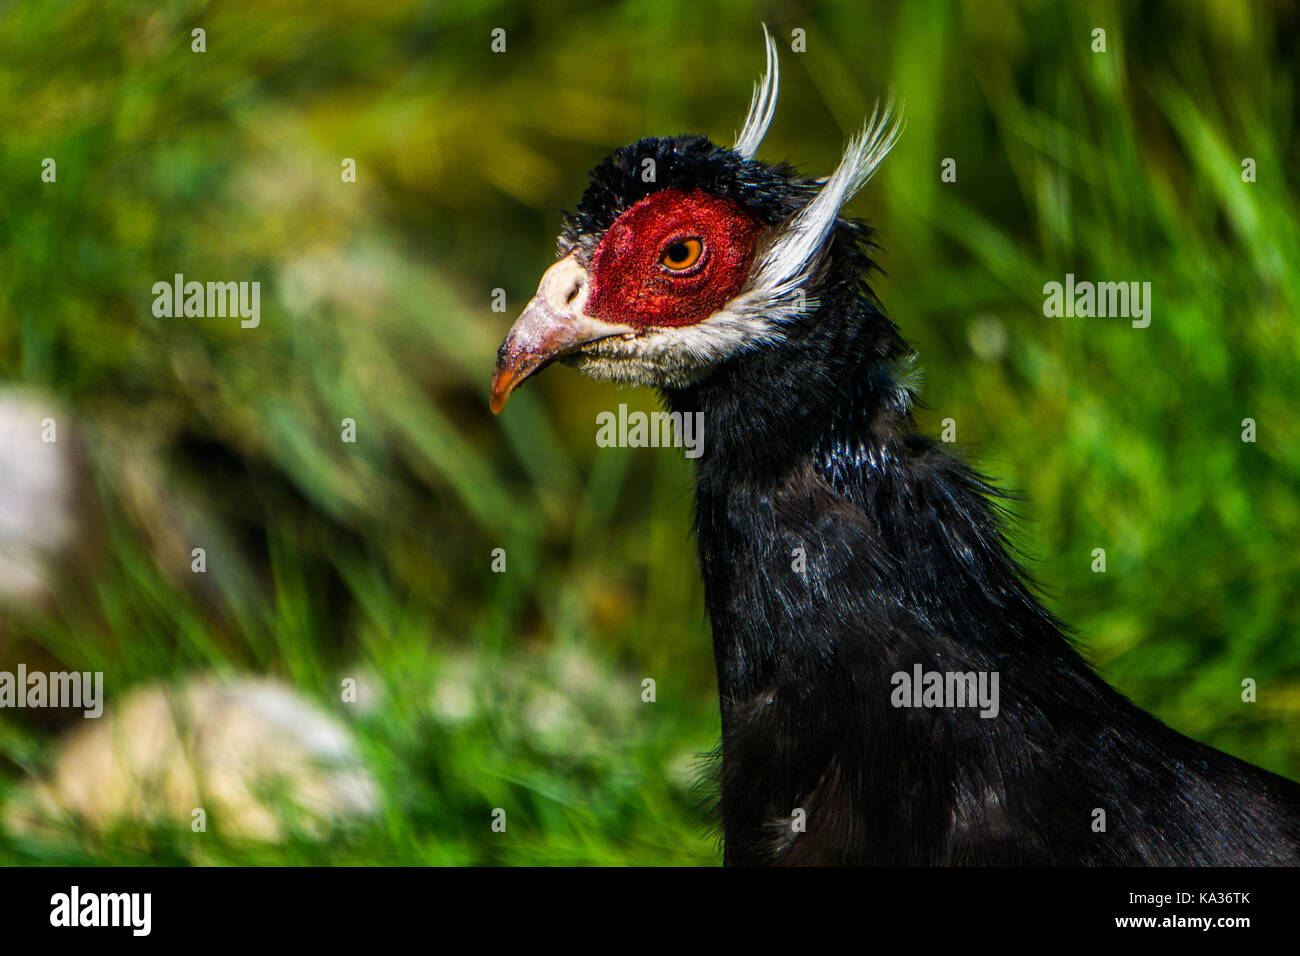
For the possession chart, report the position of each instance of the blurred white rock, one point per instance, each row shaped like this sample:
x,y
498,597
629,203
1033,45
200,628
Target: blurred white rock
x,y
260,760
988,337
563,701
44,511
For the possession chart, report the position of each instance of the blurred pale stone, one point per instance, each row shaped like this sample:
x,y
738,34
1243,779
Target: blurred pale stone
x,y
453,700
564,702
42,507
256,756
988,338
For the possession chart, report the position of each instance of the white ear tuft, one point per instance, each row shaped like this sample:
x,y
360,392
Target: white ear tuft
x,y
762,105
795,254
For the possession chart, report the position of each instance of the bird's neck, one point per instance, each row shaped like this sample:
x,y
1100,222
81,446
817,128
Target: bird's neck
x,y
839,548
832,381
827,525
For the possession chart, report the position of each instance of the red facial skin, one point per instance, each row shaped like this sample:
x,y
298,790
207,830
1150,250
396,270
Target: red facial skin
x,y
631,286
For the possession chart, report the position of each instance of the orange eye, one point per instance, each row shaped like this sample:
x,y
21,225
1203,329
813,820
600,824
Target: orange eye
x,y
681,254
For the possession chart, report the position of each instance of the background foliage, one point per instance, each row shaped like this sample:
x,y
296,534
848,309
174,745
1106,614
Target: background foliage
x,y
522,690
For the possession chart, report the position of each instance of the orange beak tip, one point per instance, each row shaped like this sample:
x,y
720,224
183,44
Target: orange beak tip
x,y
502,386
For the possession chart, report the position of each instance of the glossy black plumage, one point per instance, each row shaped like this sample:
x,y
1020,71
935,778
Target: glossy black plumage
x,y
811,445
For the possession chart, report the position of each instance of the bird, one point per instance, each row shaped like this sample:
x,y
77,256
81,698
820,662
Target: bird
x,y
738,289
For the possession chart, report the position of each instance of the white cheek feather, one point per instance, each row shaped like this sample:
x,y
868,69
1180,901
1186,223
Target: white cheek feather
x,y
676,357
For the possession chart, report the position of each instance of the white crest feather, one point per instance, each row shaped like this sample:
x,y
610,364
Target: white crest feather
x,y
796,253
762,105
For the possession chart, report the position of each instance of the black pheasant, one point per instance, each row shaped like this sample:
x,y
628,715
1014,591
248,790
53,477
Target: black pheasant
x,y
738,290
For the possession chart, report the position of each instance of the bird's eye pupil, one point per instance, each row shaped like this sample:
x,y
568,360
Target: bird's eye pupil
x,y
682,254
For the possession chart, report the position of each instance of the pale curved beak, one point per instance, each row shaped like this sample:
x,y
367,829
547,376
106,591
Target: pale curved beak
x,y
552,325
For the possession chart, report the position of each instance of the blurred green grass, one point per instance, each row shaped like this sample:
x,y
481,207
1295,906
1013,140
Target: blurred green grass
x,y
327,558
